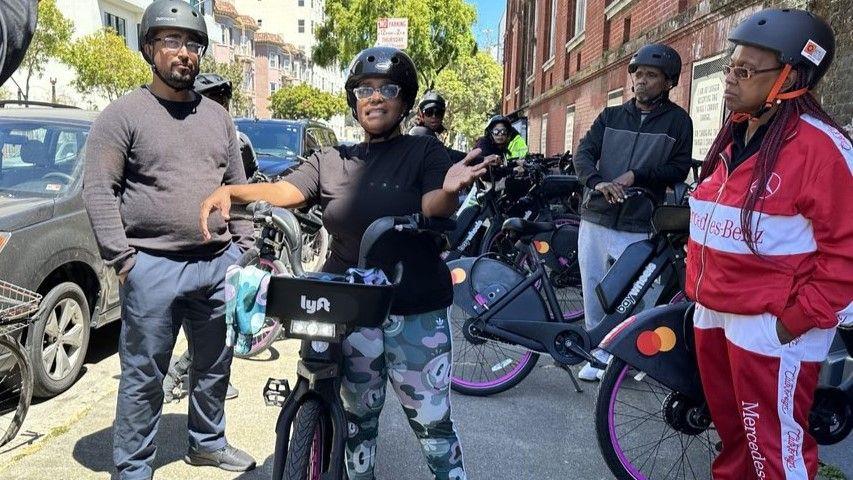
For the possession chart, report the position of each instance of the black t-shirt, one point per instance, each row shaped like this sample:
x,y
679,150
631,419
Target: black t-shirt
x,y
358,184
742,151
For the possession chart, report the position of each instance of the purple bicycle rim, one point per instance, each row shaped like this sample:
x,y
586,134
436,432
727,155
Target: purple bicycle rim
x,y
518,366
316,460
612,426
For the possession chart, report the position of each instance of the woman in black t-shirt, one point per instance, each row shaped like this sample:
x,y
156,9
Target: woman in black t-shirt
x,y
387,174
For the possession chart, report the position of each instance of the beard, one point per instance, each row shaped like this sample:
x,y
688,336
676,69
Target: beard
x,y
181,81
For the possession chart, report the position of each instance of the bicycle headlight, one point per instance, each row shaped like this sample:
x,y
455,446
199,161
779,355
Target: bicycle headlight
x,y
312,329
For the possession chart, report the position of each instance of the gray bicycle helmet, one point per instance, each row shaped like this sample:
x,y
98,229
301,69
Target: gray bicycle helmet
x,y
432,99
800,39
658,55
208,83
170,14
383,62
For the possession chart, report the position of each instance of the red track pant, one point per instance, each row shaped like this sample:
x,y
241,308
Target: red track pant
x,y
759,393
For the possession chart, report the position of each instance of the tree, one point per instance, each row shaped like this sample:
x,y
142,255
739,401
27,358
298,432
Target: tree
x,y
234,72
105,65
439,31
472,87
5,94
52,35
305,101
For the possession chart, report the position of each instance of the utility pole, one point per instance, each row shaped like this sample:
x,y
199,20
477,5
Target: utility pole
x,y
52,90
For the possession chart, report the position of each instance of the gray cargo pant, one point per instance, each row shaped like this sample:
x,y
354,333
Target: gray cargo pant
x,y
159,295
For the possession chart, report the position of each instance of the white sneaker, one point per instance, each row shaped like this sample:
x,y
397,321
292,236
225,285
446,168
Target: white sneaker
x,y
589,373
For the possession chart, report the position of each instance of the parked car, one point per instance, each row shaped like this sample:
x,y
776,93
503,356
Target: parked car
x,y
279,143
46,240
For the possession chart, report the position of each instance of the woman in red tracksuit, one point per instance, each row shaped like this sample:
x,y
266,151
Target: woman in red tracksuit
x,y
770,256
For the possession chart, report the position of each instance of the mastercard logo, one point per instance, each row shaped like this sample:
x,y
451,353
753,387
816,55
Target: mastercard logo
x,y
457,276
652,342
541,247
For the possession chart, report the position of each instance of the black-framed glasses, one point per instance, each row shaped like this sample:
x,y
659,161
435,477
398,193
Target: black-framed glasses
x,y
499,131
175,43
744,73
388,91
433,112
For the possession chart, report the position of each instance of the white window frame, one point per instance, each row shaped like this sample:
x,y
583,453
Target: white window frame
x,y
552,40
300,26
569,136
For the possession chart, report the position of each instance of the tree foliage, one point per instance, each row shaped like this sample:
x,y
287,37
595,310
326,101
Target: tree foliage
x,y
240,102
105,65
440,31
51,38
472,87
304,101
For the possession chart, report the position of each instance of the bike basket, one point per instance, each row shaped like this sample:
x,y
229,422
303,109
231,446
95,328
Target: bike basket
x,y
16,303
352,304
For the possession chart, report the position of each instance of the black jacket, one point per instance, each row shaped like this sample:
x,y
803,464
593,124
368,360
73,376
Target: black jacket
x,y
658,150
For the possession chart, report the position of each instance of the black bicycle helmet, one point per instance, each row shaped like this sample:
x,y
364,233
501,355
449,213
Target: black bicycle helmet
x,y
17,26
799,38
209,83
383,62
432,99
658,55
496,120
170,14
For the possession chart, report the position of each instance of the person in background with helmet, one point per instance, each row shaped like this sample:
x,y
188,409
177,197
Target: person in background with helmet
x,y
502,140
387,174
646,142
770,254
219,89
144,177
430,121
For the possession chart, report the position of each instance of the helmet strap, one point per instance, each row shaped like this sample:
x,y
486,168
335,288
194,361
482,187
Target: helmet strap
x,y
773,98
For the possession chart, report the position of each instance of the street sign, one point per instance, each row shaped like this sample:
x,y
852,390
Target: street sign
x,y
392,32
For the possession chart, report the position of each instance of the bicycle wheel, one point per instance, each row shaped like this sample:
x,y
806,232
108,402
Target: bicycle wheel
x,y
16,388
484,367
272,329
306,453
647,431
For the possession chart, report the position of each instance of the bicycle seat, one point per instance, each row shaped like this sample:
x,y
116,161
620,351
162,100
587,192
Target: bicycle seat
x,y
525,228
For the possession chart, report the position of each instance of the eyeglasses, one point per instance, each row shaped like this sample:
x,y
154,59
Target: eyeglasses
x,y
433,112
499,131
387,91
175,43
744,73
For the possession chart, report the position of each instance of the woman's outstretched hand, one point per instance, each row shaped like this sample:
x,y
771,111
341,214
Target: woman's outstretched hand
x,y
462,175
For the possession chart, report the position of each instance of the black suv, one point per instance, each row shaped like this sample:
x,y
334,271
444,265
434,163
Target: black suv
x,y
46,240
279,143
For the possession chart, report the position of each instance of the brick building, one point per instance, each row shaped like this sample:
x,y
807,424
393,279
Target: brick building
x,y
565,60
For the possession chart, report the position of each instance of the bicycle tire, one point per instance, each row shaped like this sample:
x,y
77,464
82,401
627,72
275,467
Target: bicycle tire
x,y
272,328
16,390
301,460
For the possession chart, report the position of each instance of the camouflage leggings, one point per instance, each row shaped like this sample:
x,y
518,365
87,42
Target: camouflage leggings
x,y
414,352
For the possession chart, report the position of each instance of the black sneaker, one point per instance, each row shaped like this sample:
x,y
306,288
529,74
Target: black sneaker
x,y
227,458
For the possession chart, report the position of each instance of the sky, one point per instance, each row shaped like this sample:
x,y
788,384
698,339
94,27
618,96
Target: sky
x,y
488,16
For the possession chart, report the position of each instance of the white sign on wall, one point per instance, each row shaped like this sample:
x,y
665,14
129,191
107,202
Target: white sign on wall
x,y
706,103
392,32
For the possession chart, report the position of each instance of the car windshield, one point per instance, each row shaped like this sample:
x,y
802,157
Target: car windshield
x,y
40,158
274,138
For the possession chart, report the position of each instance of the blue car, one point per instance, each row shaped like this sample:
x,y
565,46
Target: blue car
x,y
280,143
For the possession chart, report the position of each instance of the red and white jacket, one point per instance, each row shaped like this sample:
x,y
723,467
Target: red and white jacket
x,y
803,231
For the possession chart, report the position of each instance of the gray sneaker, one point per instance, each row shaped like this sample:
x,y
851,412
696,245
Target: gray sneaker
x,y
227,458
232,392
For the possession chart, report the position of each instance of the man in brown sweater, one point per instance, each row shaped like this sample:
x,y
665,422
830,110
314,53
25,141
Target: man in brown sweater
x,y
151,158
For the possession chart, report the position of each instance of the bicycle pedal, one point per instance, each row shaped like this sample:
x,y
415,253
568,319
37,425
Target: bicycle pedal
x,y
276,392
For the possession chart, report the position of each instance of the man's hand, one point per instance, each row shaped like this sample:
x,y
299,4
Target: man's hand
x,y
612,191
627,179
461,175
220,200
783,333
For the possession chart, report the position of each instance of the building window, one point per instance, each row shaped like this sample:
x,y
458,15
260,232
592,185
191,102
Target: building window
x,y
273,87
551,32
626,30
614,98
570,128
580,16
301,3
116,23
531,35
543,135
273,61
301,24
605,44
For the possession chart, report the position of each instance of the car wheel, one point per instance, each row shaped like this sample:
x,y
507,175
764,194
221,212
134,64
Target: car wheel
x,y
59,339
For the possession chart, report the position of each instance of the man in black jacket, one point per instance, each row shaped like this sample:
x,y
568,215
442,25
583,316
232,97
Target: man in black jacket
x,y
645,142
